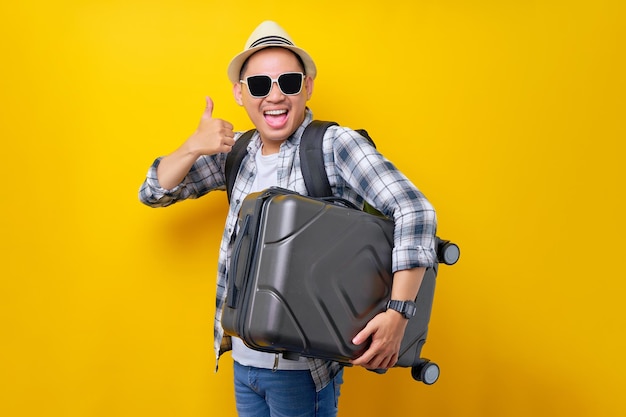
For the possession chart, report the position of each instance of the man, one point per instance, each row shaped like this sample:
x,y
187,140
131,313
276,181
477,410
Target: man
x,y
273,80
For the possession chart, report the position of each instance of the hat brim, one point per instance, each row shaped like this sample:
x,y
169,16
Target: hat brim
x,y
234,68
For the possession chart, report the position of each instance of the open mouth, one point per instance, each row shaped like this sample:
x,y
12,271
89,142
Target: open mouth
x,y
276,118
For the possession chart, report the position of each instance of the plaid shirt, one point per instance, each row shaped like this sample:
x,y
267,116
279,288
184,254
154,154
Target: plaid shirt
x,y
354,169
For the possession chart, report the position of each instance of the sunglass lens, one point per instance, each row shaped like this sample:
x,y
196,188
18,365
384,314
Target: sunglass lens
x,y
259,85
290,83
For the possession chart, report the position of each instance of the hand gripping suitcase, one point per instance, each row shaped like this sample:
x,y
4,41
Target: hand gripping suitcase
x,y
308,274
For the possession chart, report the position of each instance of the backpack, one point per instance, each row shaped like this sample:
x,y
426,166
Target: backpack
x,y
311,160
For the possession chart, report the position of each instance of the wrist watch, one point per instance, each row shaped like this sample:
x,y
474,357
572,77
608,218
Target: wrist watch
x,y
406,308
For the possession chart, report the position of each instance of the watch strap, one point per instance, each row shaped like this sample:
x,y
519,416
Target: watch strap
x,y
406,308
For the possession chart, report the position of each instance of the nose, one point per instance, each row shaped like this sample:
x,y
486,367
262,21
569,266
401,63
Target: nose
x,y
275,93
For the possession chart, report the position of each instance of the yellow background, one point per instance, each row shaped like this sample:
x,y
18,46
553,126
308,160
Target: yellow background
x,y
509,115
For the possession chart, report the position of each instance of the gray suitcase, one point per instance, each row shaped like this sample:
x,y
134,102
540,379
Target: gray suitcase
x,y
308,274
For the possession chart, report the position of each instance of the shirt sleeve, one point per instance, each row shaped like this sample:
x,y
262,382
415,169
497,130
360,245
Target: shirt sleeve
x,y
381,184
206,174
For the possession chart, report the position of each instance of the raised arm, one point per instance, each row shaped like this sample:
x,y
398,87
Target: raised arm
x,y
211,137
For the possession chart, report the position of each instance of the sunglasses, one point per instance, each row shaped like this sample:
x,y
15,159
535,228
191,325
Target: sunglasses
x,y
259,86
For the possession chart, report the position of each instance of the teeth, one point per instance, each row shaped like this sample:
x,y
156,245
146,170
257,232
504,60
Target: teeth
x,y
275,112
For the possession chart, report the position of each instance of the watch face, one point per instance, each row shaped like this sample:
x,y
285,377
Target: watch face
x,y
410,309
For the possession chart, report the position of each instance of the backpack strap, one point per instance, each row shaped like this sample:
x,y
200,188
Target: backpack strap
x,y
234,160
312,159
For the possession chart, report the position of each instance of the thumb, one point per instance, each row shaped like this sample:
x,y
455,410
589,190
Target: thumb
x,y
208,110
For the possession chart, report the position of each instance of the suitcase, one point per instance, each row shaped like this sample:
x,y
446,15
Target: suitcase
x,y
308,274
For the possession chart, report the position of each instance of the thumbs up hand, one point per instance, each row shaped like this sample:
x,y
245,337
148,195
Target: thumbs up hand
x,y
213,135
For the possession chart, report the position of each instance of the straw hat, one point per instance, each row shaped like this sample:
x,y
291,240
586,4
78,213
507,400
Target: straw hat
x,y
265,35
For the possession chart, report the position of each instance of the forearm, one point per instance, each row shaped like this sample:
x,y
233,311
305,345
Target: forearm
x,y
206,174
174,167
406,283
405,286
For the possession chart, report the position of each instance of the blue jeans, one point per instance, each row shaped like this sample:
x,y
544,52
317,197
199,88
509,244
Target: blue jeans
x,y
264,393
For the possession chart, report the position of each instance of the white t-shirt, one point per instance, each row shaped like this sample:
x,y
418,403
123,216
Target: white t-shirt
x,y
266,176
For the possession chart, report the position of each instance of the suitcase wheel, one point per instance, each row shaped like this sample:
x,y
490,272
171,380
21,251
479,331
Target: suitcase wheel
x,y
426,372
447,252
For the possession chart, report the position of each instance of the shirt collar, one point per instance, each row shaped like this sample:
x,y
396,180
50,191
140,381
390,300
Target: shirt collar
x,y
294,139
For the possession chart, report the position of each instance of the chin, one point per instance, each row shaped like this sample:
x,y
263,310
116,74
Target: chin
x,y
277,135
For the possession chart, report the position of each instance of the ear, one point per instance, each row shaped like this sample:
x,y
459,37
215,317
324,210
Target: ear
x,y
308,84
237,93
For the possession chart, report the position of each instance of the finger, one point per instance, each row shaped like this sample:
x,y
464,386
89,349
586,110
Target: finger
x,y
367,361
208,110
381,361
364,359
362,336
360,361
228,126
228,141
227,133
388,362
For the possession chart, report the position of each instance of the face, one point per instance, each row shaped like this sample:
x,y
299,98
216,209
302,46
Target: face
x,y
278,115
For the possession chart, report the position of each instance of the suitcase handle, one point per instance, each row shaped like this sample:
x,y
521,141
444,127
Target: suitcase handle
x,y
340,201
232,288
330,199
